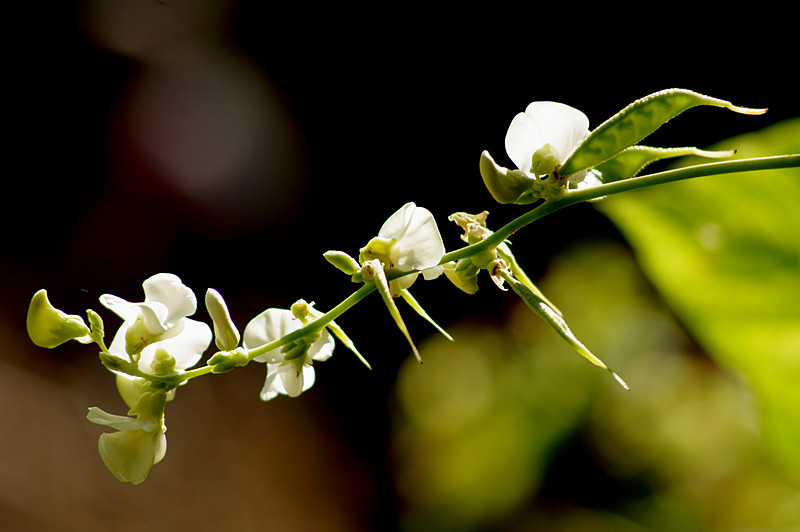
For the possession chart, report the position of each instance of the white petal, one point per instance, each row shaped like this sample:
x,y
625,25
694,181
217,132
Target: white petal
x,y
395,226
268,326
168,289
272,385
186,348
432,273
101,417
284,380
291,377
322,348
276,323
557,124
123,309
418,243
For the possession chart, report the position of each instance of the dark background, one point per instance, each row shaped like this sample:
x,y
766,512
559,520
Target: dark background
x,y
379,106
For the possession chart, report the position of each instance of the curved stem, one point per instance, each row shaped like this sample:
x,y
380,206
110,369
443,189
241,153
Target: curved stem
x,y
578,196
566,199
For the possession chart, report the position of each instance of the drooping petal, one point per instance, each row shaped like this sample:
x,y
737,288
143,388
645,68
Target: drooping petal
x,y
559,125
274,384
130,454
101,417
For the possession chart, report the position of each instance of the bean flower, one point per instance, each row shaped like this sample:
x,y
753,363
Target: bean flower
x,y
159,325
139,442
409,240
289,368
542,138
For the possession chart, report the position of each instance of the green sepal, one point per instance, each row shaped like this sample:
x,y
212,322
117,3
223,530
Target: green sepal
x,y
630,161
374,272
542,309
225,361
340,334
406,295
637,121
114,363
504,252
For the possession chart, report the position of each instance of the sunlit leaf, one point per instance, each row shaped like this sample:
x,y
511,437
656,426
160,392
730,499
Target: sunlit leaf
x,y
635,122
725,253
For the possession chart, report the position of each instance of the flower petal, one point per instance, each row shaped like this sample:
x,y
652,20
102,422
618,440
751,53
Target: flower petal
x,y
186,348
168,290
281,379
418,243
559,125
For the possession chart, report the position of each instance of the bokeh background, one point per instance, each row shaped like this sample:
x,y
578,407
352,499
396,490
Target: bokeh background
x,y
232,143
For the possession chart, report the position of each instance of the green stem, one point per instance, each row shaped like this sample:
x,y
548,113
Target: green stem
x,y
578,196
550,206
307,329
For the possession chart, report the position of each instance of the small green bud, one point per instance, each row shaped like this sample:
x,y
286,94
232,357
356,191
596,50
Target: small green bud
x,y
113,363
301,310
507,186
163,363
342,261
224,361
49,327
463,274
226,335
96,323
544,161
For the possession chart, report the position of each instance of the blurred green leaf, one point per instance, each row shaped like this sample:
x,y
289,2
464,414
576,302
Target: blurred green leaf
x,y
725,254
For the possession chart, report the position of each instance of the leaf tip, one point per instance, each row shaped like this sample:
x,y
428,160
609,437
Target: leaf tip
x,y
620,381
747,110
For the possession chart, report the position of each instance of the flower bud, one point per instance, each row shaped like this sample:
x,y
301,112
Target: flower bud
x,y
226,335
463,274
343,261
49,327
224,361
508,186
163,363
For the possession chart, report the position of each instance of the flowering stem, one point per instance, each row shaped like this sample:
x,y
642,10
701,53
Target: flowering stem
x,y
566,199
578,196
305,330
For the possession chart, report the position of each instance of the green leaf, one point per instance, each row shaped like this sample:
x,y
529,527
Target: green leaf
x,y
725,253
637,121
630,161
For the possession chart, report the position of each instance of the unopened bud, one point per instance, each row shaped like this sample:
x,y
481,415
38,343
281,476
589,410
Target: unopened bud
x,y
49,327
343,261
226,335
507,186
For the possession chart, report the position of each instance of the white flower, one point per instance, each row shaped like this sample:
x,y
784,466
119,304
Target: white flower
x,y
414,244
138,443
159,324
542,138
290,372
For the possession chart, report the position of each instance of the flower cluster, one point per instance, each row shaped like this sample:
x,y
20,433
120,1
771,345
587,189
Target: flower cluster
x,y
158,345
